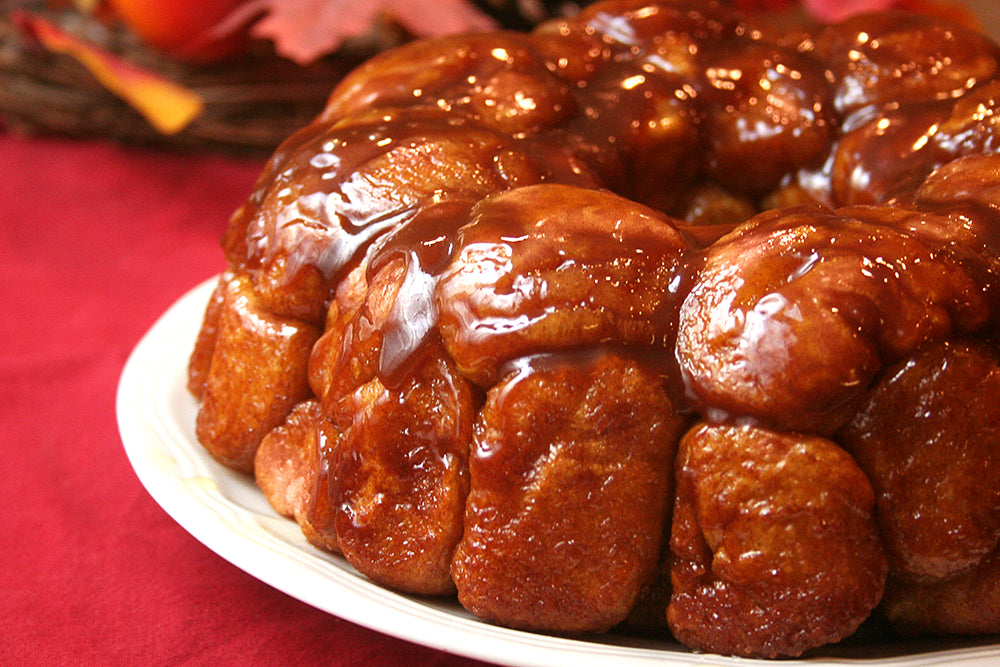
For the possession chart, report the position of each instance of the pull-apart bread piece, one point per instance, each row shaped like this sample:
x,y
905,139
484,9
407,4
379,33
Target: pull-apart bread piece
x,y
658,317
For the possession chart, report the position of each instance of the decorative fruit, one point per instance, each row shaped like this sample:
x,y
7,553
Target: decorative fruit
x,y
183,28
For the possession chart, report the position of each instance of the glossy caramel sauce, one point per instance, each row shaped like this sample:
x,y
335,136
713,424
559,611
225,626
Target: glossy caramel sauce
x,y
718,218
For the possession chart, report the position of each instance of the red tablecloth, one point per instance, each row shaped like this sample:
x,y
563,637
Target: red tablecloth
x,y
96,241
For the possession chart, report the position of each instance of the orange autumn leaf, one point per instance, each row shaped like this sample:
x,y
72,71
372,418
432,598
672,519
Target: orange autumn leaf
x,y
169,107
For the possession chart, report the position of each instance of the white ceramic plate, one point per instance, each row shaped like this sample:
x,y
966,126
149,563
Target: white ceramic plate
x,y
225,511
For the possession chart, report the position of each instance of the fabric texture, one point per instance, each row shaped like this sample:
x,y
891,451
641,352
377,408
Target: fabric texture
x,y
96,241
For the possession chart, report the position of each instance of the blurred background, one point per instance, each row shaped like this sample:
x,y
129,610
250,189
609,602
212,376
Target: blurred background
x,y
241,75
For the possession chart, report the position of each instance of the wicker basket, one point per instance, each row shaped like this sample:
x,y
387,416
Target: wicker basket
x,y
250,105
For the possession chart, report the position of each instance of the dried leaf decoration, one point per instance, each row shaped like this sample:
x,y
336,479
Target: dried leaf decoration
x,y
305,30
167,106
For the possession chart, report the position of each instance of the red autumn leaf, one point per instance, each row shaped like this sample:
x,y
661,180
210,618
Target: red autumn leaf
x,y
305,30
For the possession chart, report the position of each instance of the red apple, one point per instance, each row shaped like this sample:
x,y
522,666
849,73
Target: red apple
x,y
182,28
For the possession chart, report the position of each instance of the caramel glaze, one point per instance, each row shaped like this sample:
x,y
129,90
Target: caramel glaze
x,y
485,225
744,542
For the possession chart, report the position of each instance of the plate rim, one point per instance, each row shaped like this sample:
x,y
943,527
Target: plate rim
x,y
185,482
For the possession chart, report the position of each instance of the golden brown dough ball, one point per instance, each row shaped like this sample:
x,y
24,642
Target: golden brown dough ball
x,y
258,373
790,290
775,548
968,604
881,58
768,113
570,489
401,477
928,438
553,267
